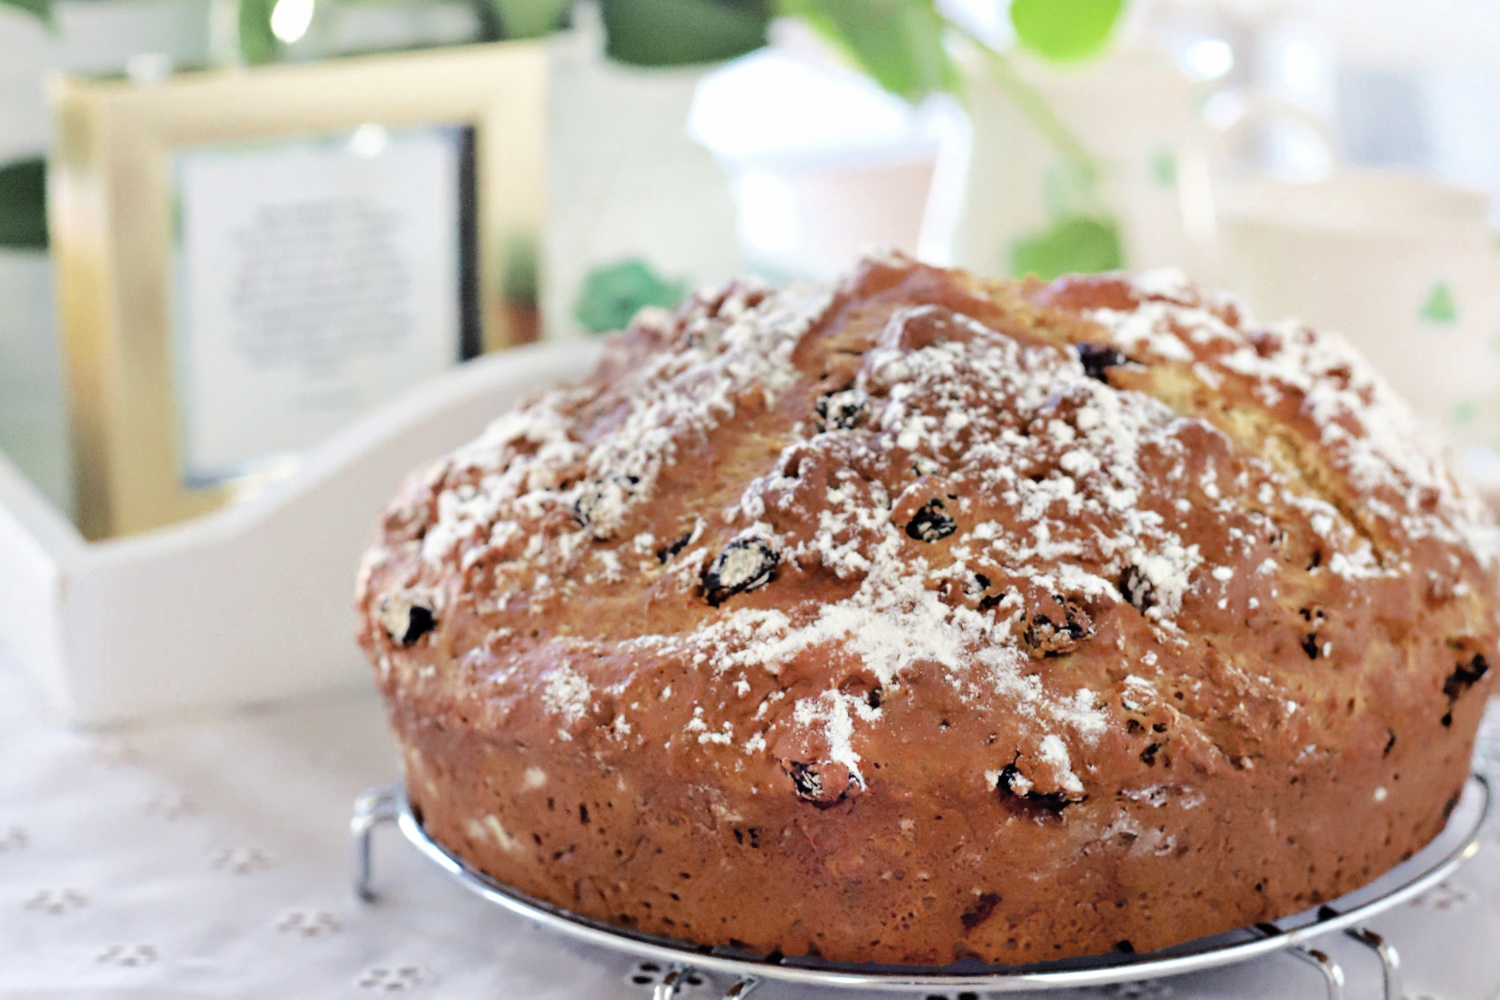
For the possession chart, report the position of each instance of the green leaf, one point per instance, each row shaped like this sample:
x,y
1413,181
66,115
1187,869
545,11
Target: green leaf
x,y
39,9
614,293
23,204
530,18
1065,30
899,43
520,280
1079,244
257,43
683,32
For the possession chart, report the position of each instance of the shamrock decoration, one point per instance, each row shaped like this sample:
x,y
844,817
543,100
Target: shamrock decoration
x,y
612,294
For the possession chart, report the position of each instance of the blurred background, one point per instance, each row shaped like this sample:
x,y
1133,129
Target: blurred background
x,y
1336,159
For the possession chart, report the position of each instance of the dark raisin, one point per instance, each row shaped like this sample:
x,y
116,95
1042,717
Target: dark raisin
x,y
1125,947
1137,589
1465,676
418,623
1311,646
823,785
406,620
599,504
1099,358
930,524
1052,803
840,411
1148,755
1047,638
805,780
980,911
672,548
745,564
982,580
1390,742
921,465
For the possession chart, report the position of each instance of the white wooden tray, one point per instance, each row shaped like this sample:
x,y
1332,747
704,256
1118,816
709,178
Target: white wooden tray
x,y
250,603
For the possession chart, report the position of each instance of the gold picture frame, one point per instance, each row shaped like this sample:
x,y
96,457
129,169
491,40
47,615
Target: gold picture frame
x,y
111,205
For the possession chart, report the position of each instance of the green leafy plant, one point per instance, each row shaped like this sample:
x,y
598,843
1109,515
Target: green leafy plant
x,y
1082,234
529,18
682,32
23,205
901,45
258,44
1076,243
39,9
1065,30
520,280
898,43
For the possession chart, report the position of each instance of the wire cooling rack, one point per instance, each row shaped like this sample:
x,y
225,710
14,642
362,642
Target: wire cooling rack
x,y
682,963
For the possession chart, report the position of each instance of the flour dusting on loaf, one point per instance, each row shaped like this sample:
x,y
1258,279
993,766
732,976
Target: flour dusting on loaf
x,y
1077,570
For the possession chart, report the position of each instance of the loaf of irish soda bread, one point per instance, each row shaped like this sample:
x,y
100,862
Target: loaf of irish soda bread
x,y
922,618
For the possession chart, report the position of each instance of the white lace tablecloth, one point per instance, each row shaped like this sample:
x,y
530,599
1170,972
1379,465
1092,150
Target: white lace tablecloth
x,y
210,858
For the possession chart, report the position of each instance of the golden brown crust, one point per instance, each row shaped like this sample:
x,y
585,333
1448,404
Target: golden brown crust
x,y
924,618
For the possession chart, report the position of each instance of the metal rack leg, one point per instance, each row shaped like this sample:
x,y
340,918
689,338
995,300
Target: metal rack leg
x,y
741,988
1390,959
377,806
670,983
1333,975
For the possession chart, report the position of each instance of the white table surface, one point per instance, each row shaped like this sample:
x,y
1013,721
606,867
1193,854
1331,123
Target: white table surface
x,y
210,858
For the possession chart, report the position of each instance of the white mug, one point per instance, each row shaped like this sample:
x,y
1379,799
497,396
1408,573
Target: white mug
x,y
1405,267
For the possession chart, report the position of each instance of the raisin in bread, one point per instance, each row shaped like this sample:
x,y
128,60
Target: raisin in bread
x,y
921,618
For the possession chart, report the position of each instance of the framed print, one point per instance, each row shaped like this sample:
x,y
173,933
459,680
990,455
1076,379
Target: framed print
x,y
249,260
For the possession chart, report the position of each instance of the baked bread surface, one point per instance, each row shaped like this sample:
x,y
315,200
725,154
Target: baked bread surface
x,y
921,618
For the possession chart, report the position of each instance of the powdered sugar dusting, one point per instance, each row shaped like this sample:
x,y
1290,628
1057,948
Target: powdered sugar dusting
x,y
1368,431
